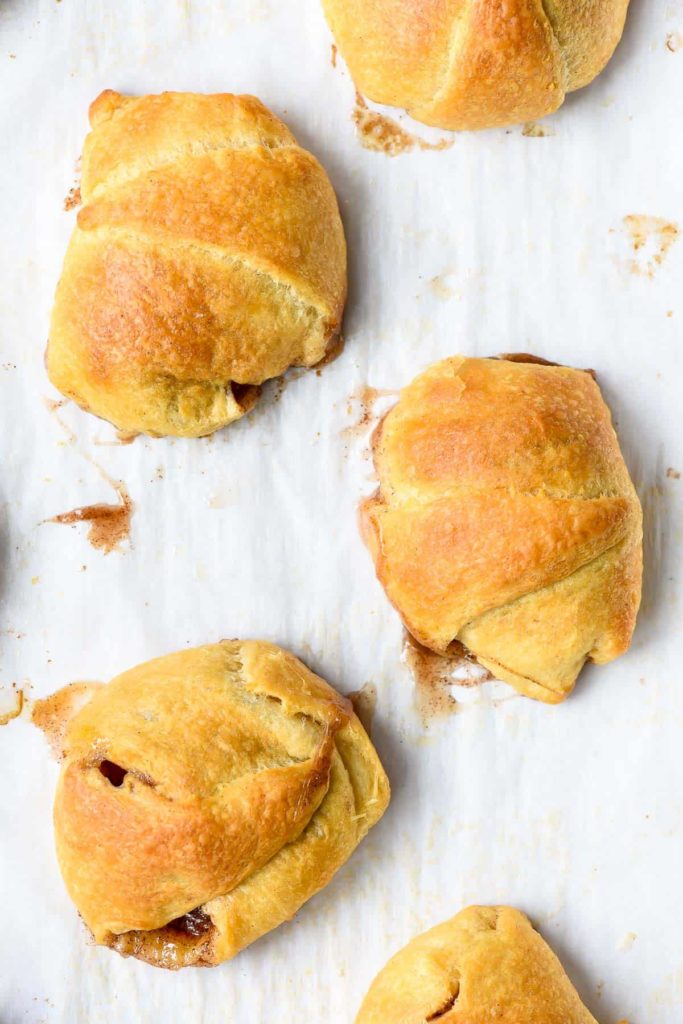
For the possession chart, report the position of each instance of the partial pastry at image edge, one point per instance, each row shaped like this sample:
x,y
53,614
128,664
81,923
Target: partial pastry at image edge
x,y
475,65
485,963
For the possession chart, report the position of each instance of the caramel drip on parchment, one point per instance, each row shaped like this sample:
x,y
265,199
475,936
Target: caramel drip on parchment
x,y
109,524
382,134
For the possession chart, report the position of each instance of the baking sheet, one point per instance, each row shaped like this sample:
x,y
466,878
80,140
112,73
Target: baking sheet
x,y
505,242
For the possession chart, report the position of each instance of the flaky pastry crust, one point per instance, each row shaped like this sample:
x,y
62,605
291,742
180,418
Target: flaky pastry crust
x,y
506,520
204,797
486,964
468,64
208,257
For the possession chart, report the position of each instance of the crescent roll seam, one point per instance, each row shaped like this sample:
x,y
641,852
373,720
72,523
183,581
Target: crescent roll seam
x,y
460,24
537,590
566,87
118,177
222,255
561,578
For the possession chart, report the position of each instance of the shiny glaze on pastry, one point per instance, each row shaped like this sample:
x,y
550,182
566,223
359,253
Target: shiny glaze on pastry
x,y
506,520
205,796
208,256
485,965
467,64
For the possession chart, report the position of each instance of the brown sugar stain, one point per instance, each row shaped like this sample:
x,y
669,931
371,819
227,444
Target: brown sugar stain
x,y
364,702
333,55
364,399
673,474
73,199
109,524
279,389
54,405
382,134
15,634
280,384
674,42
433,676
650,239
531,130
439,287
53,714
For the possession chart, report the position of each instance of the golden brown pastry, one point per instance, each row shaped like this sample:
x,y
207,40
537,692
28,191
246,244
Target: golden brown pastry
x,y
506,519
466,64
204,797
209,256
486,964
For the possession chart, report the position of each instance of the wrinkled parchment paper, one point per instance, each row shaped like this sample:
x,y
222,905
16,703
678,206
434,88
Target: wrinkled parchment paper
x,y
545,240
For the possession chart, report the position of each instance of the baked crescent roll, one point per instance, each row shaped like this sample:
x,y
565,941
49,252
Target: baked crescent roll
x,y
208,256
506,520
466,64
486,964
204,797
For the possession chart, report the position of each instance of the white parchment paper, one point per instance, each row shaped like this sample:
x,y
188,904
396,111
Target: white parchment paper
x,y
505,242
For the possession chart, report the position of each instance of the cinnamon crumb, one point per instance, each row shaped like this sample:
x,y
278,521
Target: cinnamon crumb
x,y
73,199
531,130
